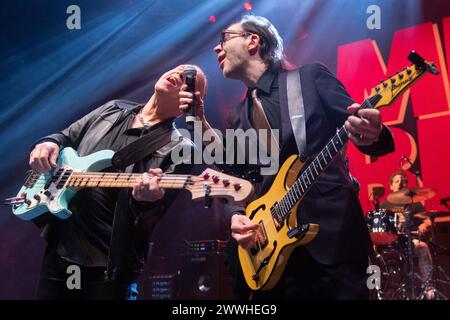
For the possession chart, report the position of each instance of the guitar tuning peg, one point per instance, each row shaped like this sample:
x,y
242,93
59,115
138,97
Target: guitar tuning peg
x,y
215,179
226,182
237,186
400,76
206,175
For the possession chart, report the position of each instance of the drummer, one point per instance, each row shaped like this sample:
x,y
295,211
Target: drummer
x,y
397,181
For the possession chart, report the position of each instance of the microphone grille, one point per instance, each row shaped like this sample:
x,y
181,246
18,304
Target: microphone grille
x,y
189,70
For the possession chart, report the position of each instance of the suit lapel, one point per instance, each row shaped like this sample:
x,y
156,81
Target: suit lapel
x,y
286,133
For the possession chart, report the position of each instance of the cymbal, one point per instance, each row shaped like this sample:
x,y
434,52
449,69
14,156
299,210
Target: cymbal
x,y
411,195
432,214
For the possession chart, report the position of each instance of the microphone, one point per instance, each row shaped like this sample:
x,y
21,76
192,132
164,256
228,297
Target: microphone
x,y
417,172
189,74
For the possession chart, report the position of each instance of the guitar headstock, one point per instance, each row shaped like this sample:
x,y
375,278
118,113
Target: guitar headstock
x,y
389,90
215,184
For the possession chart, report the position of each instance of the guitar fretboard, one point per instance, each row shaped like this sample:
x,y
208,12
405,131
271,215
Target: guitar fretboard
x,y
69,178
123,180
280,211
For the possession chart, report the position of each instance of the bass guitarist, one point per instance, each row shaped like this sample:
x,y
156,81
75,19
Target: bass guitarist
x,y
108,233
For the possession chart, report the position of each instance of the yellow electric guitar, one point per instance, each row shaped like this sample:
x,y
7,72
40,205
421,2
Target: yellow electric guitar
x,y
276,211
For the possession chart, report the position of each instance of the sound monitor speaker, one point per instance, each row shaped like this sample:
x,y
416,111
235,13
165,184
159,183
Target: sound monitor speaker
x,y
204,277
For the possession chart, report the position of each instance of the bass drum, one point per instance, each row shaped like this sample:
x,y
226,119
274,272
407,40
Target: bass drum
x,y
382,225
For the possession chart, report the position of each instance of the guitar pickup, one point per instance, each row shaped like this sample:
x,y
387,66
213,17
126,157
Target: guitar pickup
x,y
64,178
261,235
276,216
54,177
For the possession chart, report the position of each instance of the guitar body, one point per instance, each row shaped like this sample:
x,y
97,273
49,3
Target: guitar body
x,y
278,245
45,195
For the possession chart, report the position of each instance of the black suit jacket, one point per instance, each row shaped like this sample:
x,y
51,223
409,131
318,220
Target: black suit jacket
x,y
331,202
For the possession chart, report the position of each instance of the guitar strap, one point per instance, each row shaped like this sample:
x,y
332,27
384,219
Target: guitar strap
x,y
158,136
296,109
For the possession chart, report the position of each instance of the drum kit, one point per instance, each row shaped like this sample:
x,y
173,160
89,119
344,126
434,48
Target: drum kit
x,y
392,232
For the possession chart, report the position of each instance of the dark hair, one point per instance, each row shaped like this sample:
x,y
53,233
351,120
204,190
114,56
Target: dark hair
x,y
398,173
271,47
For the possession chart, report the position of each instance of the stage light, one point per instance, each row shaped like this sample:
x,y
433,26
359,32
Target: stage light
x,y
248,6
212,19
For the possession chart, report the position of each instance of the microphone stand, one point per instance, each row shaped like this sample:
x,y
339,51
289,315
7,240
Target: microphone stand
x,y
433,277
444,202
411,275
416,173
410,248
376,202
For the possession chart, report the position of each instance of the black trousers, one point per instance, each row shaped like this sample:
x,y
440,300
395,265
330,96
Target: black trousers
x,y
305,278
54,275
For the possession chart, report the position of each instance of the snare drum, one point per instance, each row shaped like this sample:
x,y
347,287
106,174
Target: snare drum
x,y
382,226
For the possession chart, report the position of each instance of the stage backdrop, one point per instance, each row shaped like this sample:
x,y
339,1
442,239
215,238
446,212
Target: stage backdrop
x,y
56,68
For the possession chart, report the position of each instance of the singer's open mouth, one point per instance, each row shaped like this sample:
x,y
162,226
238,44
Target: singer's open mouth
x,y
172,81
221,61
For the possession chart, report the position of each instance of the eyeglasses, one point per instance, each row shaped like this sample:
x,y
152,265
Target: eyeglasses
x,y
227,35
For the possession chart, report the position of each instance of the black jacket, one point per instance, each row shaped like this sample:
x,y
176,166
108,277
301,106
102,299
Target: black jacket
x,y
133,221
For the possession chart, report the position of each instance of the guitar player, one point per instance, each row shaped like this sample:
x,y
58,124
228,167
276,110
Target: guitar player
x,y
333,265
109,230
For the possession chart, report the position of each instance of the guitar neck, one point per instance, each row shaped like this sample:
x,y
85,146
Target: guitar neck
x,y
315,168
123,180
